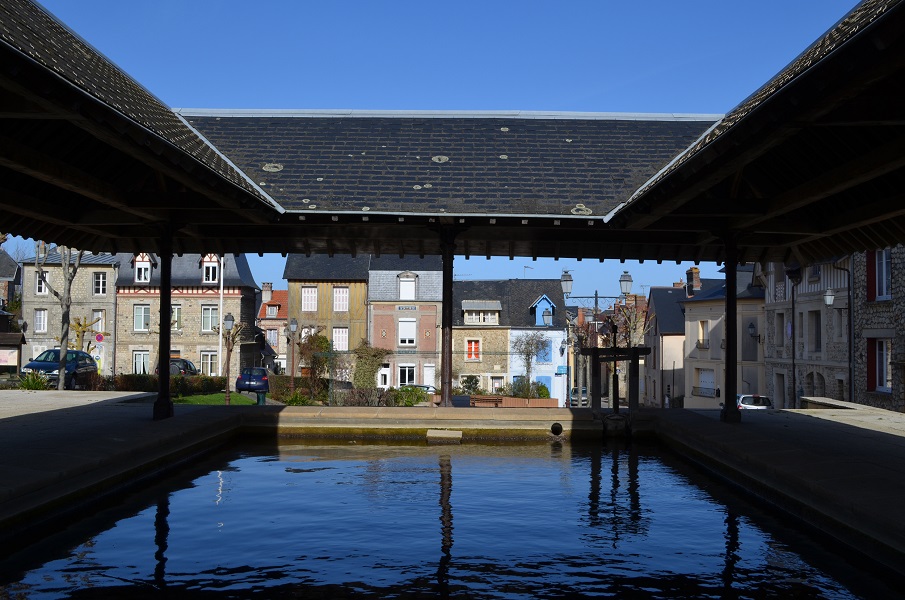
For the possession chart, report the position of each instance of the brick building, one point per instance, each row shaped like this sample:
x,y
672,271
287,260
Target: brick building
x,y
273,318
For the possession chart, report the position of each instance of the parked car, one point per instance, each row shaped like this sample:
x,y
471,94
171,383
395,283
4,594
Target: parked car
x,y
79,366
252,379
579,401
755,401
429,389
181,366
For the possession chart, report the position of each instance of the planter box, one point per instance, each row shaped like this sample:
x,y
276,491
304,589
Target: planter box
x,y
512,402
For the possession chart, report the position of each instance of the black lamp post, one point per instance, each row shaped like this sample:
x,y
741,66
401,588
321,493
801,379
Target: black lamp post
x,y
293,327
625,287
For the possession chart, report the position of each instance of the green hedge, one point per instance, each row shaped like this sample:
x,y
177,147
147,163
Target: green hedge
x,y
179,384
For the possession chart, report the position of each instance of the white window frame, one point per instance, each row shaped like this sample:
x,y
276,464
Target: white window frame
x,y
41,286
407,288
273,337
141,362
210,268
145,310
309,299
341,339
40,320
883,268
469,357
176,317
142,270
272,310
209,362
210,318
482,317
409,378
407,332
340,299
102,323
99,285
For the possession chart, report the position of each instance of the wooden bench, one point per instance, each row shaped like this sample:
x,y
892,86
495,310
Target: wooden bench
x,y
486,401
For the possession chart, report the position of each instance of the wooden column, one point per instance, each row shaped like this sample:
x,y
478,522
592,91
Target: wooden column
x,y
163,406
447,240
730,412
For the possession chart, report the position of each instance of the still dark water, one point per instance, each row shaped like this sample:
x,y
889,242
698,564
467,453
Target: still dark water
x,y
356,521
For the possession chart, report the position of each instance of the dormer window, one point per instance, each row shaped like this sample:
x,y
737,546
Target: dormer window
x,y
407,286
271,311
481,312
211,268
142,269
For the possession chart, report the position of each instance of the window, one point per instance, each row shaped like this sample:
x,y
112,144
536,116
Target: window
x,y
883,263
482,317
814,273
703,334
814,331
473,350
141,362
273,337
142,269
545,354
305,333
210,318
272,311
408,332
779,334
879,367
211,267
100,284
341,338
406,288
309,299
141,317
208,362
40,283
340,299
176,317
406,375
383,377
98,318
41,320
496,383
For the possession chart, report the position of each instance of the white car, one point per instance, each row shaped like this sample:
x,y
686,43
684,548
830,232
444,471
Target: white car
x,y
755,401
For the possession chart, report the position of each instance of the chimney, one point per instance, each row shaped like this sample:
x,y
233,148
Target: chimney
x,y
679,283
693,275
266,292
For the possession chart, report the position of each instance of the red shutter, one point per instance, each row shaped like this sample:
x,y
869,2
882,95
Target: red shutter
x,y
871,277
871,364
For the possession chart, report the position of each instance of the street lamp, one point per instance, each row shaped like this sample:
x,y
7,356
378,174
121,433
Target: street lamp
x,y
228,322
293,327
829,297
625,287
548,317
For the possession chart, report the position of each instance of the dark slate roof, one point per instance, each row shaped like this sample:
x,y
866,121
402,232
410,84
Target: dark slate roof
x,y
37,34
716,289
8,266
321,267
88,258
454,163
392,262
343,267
516,297
665,303
187,271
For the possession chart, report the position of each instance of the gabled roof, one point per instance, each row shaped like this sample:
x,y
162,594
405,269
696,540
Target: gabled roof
x,y
391,262
320,267
88,258
8,266
280,299
566,164
188,271
515,299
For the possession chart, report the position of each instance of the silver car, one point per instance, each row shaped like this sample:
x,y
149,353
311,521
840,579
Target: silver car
x,y
755,401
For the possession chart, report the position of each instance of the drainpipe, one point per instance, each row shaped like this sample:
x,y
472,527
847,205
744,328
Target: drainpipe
x,y
851,342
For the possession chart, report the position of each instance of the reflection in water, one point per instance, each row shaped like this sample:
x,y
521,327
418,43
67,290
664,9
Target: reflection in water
x,y
333,521
161,536
446,530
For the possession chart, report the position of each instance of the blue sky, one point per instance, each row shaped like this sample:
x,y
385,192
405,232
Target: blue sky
x,y
646,56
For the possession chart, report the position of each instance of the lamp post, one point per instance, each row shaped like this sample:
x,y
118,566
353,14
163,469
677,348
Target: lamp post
x,y
228,322
293,327
625,287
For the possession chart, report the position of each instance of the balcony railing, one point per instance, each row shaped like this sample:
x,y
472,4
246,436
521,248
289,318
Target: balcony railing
x,y
702,344
703,392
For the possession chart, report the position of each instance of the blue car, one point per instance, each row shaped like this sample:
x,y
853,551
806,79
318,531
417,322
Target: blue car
x,y
253,379
79,367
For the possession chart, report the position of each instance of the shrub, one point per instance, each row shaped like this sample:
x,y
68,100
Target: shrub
x,y
299,398
410,396
97,383
471,385
135,382
34,381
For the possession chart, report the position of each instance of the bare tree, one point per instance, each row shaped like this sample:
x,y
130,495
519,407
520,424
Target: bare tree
x,y
527,346
70,261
